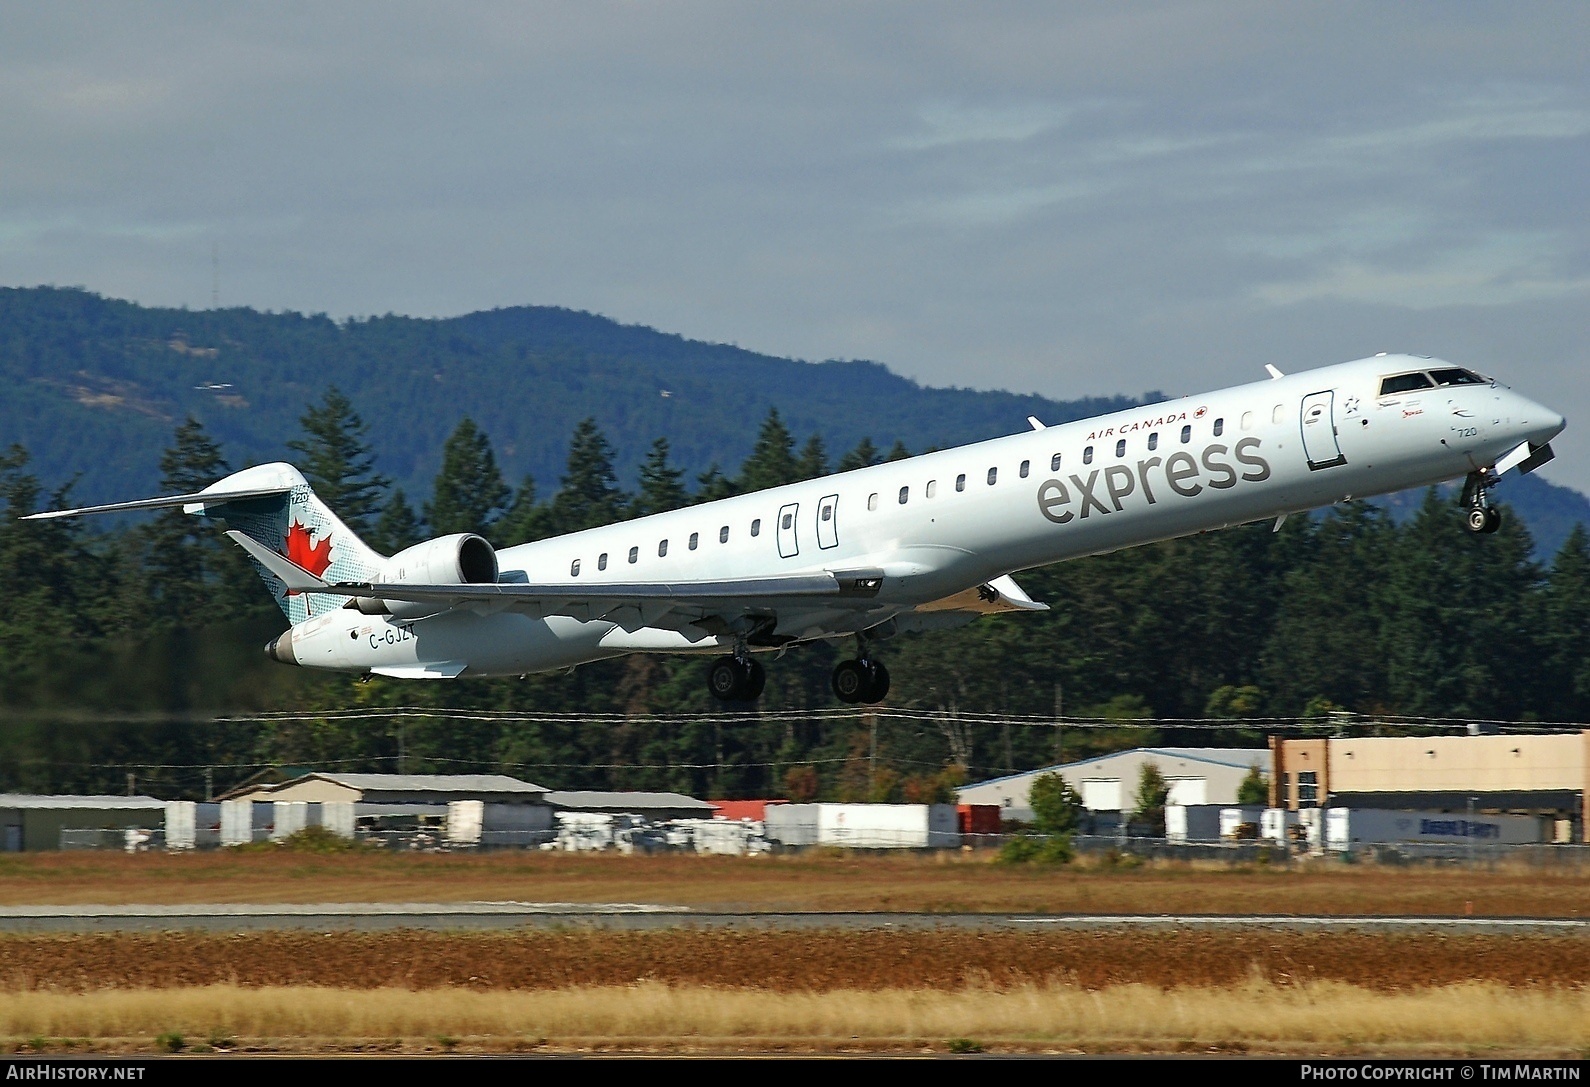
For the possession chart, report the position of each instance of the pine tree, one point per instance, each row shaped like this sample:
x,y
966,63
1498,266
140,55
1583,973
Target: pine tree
x,y
813,462
1565,608
470,491
399,526
660,489
589,495
526,518
772,461
181,549
338,463
865,455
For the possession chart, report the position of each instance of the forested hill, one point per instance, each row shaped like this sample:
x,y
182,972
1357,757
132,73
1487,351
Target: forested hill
x,y
95,388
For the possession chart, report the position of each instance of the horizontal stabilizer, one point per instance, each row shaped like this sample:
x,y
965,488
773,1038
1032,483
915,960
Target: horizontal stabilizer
x,y
295,577
202,498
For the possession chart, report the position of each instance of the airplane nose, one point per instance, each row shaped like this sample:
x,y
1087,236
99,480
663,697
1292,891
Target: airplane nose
x,y
1540,422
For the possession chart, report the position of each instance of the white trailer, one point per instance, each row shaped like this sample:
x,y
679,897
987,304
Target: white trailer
x,y
887,826
1348,827
1192,823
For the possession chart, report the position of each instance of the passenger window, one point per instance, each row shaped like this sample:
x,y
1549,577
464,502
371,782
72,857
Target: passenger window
x,y
723,534
1186,435
1087,455
993,474
574,568
1247,420
1054,463
828,513
789,519
905,493
1153,441
1026,466
872,501
634,554
695,538
1220,427
662,548
1278,414
932,487
1403,383
1120,448
960,482
601,561
756,527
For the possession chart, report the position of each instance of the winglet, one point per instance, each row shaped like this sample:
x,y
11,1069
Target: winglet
x,y
1275,375
295,577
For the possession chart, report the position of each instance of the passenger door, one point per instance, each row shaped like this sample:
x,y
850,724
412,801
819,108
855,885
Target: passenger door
x,y
1319,431
788,545
828,522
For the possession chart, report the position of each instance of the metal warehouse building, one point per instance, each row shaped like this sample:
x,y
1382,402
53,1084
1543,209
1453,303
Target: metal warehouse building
x,y
34,823
1107,784
320,788
1546,775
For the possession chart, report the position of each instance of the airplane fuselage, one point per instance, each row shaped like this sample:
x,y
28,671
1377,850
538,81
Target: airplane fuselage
x,y
943,523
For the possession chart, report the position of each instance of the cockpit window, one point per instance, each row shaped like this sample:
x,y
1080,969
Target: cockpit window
x,y
1402,383
1456,376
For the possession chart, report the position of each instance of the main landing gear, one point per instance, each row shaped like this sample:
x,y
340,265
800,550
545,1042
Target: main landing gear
x,y
736,678
861,680
1480,515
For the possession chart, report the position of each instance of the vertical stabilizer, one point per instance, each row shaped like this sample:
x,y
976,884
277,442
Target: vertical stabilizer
x,y
294,523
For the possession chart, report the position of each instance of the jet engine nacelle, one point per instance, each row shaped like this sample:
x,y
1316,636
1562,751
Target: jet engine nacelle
x,y
460,559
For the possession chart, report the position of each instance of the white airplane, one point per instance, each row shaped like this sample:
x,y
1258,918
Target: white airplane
x,y
918,544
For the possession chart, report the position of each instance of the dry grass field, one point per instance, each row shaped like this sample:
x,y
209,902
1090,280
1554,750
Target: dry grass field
x,y
699,990
807,882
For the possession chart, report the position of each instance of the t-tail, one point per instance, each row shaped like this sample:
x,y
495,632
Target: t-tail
x,y
273,505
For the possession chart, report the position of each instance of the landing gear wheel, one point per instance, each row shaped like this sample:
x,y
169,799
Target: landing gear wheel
x,y
733,680
755,680
860,681
1477,520
1493,520
851,681
880,683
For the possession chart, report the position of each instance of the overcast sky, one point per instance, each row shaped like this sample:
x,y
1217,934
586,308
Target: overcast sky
x,y
1066,198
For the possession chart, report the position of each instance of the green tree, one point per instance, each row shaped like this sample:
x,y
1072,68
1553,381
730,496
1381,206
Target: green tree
x,y
182,553
1056,807
813,461
470,492
589,496
660,486
398,527
772,461
338,463
865,455
1254,790
1148,804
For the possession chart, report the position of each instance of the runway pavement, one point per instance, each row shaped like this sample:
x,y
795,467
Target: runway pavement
x,y
375,916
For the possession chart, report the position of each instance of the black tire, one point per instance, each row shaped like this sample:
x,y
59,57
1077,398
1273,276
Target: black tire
x,y
878,688
851,681
726,680
1493,520
1477,518
755,680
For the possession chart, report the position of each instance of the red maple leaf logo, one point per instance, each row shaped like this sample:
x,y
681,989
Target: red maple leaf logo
x,y
312,557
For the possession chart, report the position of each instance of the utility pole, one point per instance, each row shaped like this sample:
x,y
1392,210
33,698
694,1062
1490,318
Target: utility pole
x,y
1059,730
131,780
209,784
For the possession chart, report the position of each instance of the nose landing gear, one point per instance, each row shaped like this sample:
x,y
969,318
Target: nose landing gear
x,y
1481,516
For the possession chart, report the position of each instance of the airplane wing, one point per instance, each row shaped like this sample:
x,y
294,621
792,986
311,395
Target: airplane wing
x,y
630,604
